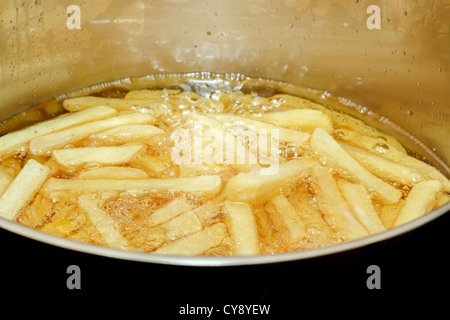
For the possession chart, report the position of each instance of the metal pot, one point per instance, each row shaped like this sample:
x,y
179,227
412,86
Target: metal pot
x,y
392,58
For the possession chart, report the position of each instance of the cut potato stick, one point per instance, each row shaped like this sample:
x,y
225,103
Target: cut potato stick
x,y
420,200
5,180
243,228
180,226
292,137
390,212
81,103
113,172
196,243
146,94
385,168
254,186
103,222
207,185
150,163
132,131
23,188
334,208
46,143
100,155
302,119
290,218
174,208
326,145
13,141
361,205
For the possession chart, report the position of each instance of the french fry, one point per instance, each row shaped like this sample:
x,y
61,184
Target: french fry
x,y
81,103
253,186
100,155
132,131
322,142
290,218
361,205
23,188
150,163
292,137
243,228
385,168
206,185
196,243
14,141
180,226
113,172
146,94
390,212
334,208
46,143
103,222
174,208
301,119
5,180
419,201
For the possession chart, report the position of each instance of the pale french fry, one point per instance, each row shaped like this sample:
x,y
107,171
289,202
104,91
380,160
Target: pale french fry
x,y
385,168
150,163
339,119
14,141
113,172
361,205
206,185
327,146
146,94
420,200
174,208
442,200
390,212
125,133
81,103
291,219
243,228
103,222
23,188
100,155
5,180
196,243
180,226
253,186
292,137
334,208
46,143
302,119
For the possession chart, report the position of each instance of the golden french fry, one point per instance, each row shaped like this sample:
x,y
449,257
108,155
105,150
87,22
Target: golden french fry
x,y
322,142
290,218
253,186
46,143
14,141
23,188
174,208
113,172
132,131
180,226
100,155
196,243
361,205
150,163
334,208
81,103
385,168
419,201
390,212
243,228
301,119
206,185
103,222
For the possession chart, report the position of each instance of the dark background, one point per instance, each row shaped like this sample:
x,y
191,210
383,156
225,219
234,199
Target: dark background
x,y
414,276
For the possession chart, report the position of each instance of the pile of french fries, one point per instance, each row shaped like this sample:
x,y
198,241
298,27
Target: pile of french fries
x,y
103,173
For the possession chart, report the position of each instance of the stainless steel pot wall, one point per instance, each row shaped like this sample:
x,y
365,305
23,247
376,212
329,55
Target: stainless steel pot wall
x,y
393,57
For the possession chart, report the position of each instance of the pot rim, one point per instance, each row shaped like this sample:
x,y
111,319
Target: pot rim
x,y
217,261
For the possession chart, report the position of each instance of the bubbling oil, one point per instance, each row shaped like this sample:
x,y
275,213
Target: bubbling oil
x,y
235,94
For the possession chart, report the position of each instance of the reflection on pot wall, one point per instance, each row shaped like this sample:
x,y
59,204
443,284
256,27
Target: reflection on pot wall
x,y
400,70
